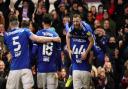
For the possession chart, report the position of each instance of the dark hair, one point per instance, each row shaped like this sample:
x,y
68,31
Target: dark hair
x,y
100,6
47,18
76,15
25,23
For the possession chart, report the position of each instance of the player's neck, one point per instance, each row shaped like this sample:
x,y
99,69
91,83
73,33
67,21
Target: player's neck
x,y
46,26
13,27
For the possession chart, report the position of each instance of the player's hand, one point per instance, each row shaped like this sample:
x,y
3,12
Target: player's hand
x,y
56,39
83,55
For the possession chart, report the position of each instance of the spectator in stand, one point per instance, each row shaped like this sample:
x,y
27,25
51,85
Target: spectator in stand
x,y
123,50
64,29
99,15
62,79
67,3
26,10
108,69
45,3
106,16
74,8
94,11
57,24
4,7
65,60
104,81
101,38
124,81
94,75
126,65
113,53
112,45
96,24
109,5
90,19
62,10
38,15
2,30
2,46
2,19
3,75
109,32
4,54
121,13
83,12
124,43
85,4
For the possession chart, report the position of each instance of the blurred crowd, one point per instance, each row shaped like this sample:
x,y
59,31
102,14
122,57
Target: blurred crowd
x,y
109,22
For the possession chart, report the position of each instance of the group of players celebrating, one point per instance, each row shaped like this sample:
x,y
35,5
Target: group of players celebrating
x,y
46,45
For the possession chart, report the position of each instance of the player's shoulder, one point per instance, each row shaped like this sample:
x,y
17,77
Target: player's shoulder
x,y
86,26
39,32
53,31
25,29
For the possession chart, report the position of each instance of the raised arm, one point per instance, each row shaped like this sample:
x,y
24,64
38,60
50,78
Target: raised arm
x,y
68,44
17,4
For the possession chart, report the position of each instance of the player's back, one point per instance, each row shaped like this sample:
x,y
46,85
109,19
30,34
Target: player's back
x,y
17,43
47,52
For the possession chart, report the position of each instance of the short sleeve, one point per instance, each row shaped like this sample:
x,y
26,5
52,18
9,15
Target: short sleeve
x,y
28,32
55,34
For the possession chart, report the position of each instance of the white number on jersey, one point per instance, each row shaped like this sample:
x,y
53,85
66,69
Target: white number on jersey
x,y
16,43
77,52
47,51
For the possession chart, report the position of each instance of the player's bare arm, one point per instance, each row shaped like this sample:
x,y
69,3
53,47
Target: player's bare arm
x,y
42,39
91,43
68,44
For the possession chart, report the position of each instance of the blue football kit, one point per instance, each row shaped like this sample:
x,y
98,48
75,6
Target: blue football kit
x,y
48,54
98,52
79,43
17,41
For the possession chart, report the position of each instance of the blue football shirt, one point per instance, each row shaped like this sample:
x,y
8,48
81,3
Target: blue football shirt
x,y
17,41
49,59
